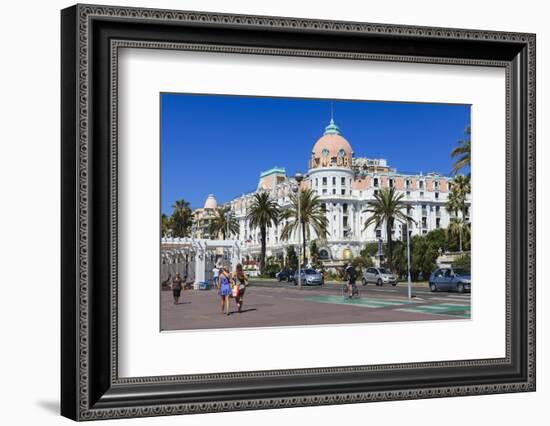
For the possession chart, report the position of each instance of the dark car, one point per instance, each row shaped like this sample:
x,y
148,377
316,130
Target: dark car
x,y
285,275
449,279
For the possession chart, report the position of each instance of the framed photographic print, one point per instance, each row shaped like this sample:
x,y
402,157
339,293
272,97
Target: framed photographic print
x,y
263,212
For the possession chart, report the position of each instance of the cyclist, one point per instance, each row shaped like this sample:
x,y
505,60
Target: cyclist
x,y
352,277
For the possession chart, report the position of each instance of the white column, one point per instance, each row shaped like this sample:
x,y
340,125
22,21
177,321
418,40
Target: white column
x,y
235,257
200,265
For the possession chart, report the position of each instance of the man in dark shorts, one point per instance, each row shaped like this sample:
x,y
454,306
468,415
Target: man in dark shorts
x,y
352,277
177,285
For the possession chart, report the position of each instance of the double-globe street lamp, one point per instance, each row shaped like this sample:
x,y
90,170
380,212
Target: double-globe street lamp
x,y
297,190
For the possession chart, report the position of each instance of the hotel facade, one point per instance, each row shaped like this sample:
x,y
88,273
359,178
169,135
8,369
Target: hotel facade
x,y
345,183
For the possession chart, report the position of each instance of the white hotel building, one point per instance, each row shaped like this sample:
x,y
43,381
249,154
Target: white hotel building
x,y
345,183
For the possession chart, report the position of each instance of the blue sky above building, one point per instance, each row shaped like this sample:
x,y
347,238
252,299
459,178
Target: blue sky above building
x,y
219,145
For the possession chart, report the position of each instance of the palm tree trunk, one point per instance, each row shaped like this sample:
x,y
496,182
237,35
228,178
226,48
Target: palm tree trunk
x,y
390,248
460,239
304,242
262,253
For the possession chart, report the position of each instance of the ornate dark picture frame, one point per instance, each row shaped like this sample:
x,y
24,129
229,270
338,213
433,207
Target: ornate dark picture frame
x,y
90,386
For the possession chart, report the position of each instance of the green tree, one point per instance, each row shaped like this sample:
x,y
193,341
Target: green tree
x,y
312,215
385,209
370,249
181,219
458,228
314,254
456,203
362,262
423,257
462,153
165,225
263,213
461,187
399,257
292,258
438,238
272,266
463,262
223,223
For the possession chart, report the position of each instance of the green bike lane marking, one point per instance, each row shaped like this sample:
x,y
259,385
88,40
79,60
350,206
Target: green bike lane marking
x,y
361,302
455,310
449,309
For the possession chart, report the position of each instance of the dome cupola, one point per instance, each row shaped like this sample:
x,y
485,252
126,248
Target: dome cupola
x,y
211,202
331,149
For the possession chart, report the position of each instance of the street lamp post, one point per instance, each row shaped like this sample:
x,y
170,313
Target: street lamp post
x,y
299,177
409,285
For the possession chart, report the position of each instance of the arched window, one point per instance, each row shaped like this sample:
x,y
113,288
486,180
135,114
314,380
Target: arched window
x,y
323,254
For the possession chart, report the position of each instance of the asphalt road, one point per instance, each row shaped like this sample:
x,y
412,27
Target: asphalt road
x,y
269,304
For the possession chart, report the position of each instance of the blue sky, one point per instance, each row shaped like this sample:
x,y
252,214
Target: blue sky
x,y
220,144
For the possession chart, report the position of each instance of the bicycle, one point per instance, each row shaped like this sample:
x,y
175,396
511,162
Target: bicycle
x,y
354,291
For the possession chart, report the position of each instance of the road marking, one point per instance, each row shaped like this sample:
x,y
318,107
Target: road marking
x,y
417,310
450,299
459,296
383,290
361,302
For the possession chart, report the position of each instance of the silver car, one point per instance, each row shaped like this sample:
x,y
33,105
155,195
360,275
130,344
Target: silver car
x,y
309,276
379,276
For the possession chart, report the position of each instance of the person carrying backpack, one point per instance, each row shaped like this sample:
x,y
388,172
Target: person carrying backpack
x,y
351,274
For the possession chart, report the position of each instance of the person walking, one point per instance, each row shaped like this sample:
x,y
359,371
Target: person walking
x,y
177,285
241,280
215,276
225,289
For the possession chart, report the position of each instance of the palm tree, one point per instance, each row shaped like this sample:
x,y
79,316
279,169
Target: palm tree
x,y
386,208
263,213
458,227
312,215
456,202
461,187
463,152
223,222
181,219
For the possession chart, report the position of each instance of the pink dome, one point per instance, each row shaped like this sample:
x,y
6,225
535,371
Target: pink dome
x,y
332,149
332,145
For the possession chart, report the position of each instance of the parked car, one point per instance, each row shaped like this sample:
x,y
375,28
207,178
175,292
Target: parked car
x,y
379,276
285,275
450,279
309,276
